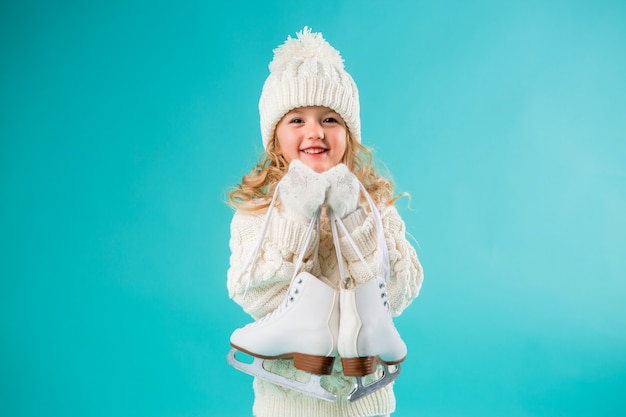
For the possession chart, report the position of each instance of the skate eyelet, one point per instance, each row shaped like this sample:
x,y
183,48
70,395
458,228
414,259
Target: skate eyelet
x,y
296,291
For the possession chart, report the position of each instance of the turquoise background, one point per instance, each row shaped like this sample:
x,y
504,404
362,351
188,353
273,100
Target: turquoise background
x,y
123,123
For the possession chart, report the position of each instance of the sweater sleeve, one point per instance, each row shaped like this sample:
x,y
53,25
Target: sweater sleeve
x,y
406,274
269,277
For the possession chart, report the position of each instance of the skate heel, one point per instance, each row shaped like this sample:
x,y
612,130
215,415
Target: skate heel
x,y
359,366
319,365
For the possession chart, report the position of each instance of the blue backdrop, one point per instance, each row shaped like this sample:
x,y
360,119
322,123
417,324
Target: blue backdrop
x,y
123,123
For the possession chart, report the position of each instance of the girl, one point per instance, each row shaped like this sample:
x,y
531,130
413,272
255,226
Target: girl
x,y
312,310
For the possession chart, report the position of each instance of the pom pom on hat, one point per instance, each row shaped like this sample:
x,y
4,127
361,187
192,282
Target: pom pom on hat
x,y
308,71
308,46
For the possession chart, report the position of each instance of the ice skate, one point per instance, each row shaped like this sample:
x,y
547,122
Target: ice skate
x,y
367,336
303,328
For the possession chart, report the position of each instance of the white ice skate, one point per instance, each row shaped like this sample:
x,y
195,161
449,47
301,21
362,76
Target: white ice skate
x,y
303,328
367,336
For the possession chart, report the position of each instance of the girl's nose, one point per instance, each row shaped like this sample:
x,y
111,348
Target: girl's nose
x,y
315,131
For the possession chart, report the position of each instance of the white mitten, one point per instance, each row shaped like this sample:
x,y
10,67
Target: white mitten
x,y
302,191
343,194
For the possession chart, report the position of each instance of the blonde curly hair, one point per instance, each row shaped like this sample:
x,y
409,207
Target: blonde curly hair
x,y
256,188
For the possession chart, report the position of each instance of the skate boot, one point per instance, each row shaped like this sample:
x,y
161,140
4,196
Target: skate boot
x,y
368,337
303,328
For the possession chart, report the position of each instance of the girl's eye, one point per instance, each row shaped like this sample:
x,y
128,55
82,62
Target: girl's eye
x,y
330,120
296,120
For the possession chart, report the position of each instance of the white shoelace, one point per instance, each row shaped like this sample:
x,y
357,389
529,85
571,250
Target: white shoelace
x,y
383,269
253,253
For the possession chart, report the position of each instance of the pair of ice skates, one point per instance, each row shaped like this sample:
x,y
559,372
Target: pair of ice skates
x,y
316,323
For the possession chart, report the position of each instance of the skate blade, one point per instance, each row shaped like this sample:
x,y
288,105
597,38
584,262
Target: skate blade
x,y
390,373
313,387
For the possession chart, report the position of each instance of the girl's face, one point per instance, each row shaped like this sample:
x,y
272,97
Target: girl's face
x,y
315,135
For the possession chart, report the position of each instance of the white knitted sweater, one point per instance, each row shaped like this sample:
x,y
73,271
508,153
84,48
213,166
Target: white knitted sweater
x,y
270,279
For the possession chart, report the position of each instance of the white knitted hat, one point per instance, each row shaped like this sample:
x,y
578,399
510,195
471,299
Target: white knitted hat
x,y
308,71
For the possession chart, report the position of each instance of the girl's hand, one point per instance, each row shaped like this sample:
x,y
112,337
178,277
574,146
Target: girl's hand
x,y
343,193
302,191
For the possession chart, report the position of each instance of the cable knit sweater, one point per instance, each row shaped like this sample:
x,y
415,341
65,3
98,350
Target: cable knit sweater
x,y
271,277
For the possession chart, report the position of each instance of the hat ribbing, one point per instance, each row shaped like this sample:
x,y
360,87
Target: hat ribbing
x,y
308,71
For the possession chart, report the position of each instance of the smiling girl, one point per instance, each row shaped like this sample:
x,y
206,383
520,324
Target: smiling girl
x,y
314,295
315,135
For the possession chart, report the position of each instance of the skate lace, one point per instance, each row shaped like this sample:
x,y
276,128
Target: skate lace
x,y
255,249
296,281
382,268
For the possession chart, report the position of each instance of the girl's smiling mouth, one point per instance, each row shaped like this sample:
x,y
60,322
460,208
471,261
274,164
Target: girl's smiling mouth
x,y
314,151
